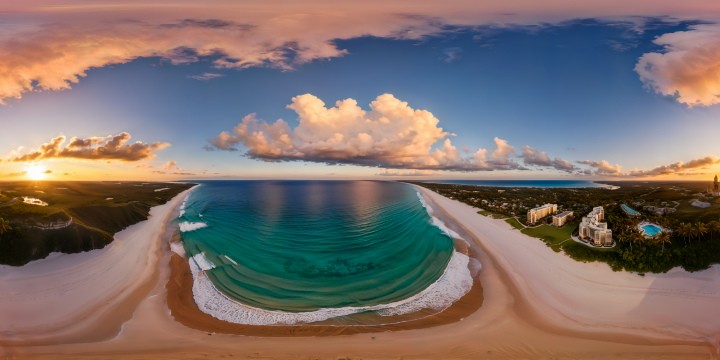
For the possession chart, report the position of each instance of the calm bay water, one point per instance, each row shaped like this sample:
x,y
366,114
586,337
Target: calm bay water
x,y
524,183
305,245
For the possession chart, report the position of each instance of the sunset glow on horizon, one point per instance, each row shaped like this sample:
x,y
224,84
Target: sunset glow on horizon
x,y
325,90
36,172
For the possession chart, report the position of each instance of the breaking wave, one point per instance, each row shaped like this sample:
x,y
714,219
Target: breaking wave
x,y
187,226
454,283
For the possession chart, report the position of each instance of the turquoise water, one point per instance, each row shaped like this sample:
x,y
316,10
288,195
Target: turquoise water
x,y
525,183
651,229
628,210
300,246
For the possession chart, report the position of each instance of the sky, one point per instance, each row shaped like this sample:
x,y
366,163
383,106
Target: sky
x,y
169,90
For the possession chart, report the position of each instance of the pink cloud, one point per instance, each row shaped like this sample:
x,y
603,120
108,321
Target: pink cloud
x,y
51,46
688,68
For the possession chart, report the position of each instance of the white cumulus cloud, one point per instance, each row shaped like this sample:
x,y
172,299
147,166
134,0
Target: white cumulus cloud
x,y
391,134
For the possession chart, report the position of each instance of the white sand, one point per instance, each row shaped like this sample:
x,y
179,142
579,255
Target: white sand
x,y
62,293
537,304
590,296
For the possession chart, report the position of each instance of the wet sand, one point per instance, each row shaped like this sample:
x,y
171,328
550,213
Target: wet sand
x,y
535,304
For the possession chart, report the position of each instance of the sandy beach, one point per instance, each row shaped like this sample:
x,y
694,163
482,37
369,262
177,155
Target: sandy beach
x,y
535,304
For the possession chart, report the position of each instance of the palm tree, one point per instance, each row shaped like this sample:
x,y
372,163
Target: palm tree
x,y
4,226
663,238
685,230
701,229
713,227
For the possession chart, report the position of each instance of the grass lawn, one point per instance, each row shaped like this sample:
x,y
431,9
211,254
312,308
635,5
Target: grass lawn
x,y
491,214
551,235
515,223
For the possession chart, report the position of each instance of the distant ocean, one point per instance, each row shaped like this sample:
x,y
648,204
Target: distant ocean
x,y
524,183
302,251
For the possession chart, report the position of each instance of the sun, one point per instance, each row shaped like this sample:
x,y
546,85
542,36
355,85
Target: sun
x,y
36,172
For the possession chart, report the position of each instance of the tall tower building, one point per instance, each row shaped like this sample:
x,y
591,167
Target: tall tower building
x,y
716,186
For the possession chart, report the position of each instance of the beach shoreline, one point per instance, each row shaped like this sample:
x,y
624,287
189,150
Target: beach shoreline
x,y
515,321
524,288
49,305
185,310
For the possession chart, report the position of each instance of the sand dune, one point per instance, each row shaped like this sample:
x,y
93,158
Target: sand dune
x,y
537,304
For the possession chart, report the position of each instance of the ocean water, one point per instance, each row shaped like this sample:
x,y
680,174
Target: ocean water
x,y
278,248
525,183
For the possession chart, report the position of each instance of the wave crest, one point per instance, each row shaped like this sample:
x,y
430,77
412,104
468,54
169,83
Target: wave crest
x,y
191,226
454,283
436,221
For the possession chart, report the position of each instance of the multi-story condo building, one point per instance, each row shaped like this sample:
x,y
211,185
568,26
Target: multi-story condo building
x,y
561,219
594,229
538,213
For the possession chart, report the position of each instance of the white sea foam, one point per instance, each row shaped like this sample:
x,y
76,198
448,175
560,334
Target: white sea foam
x,y
231,260
454,283
182,205
202,262
191,226
435,221
178,248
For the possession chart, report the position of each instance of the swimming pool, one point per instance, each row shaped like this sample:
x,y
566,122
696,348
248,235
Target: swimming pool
x,y
650,229
628,210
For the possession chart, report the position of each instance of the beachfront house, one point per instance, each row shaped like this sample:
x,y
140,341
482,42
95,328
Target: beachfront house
x,y
594,229
535,214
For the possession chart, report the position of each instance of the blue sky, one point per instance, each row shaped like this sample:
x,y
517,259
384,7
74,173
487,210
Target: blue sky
x,y
568,89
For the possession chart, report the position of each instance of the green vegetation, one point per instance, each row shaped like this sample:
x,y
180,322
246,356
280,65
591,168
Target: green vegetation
x,y
79,216
515,223
552,235
692,243
491,214
4,226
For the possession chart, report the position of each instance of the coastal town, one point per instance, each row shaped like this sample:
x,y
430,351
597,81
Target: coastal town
x,y
640,226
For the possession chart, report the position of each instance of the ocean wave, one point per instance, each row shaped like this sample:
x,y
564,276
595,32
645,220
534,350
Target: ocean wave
x,y
455,282
231,260
191,226
436,221
201,262
185,200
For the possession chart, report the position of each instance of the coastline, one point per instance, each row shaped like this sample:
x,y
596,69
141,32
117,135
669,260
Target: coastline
x,y
509,325
184,308
457,279
562,295
83,297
